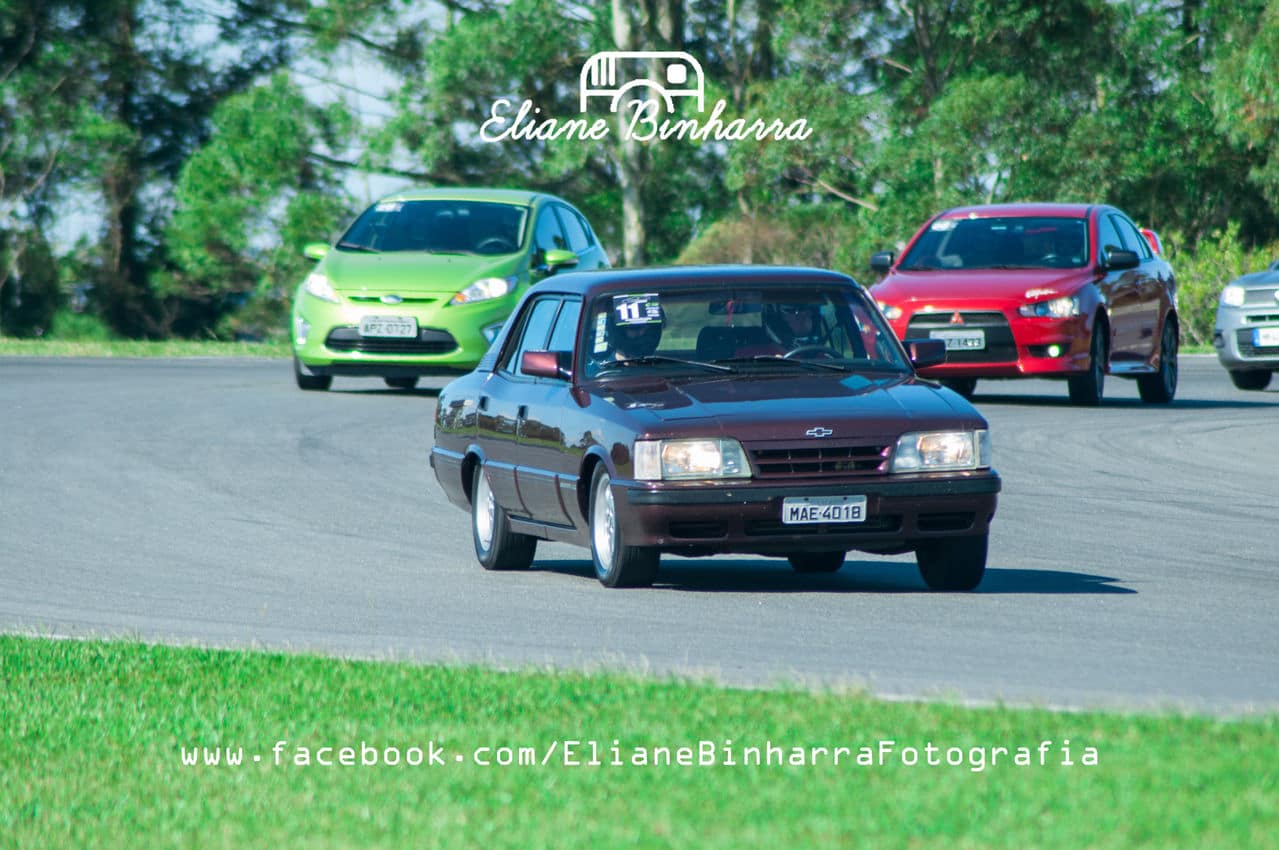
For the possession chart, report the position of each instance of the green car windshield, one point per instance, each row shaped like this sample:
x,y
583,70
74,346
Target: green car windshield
x,y
437,226
763,329
1000,243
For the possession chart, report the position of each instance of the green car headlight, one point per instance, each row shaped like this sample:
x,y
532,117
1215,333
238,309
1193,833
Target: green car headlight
x,y
485,289
675,460
928,451
318,285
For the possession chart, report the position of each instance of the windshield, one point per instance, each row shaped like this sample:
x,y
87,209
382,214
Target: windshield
x,y
1000,243
446,227
782,329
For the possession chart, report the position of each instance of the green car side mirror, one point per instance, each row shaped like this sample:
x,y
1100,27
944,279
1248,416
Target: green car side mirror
x,y
315,250
558,258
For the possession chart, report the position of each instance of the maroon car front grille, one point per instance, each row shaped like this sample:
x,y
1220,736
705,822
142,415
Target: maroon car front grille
x,y
825,461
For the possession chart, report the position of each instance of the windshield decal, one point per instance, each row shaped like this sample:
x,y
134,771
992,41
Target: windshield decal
x,y
643,309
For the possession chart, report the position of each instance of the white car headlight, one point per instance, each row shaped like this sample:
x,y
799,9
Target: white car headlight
x,y
1232,295
890,312
674,460
318,285
1056,308
484,289
927,451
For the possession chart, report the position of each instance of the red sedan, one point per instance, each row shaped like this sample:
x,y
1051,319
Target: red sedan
x,y
1068,291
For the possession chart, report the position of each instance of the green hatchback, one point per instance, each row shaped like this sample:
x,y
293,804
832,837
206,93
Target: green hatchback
x,y
422,281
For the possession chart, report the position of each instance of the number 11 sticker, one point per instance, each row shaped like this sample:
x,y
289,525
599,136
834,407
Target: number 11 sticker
x,y
643,309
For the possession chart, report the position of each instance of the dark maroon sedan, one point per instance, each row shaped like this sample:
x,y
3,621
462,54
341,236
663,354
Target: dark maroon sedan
x,y
700,411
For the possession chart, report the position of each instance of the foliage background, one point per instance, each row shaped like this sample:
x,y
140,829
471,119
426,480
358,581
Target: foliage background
x,y
162,162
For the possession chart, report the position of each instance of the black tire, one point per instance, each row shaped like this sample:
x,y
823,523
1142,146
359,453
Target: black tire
x,y
1161,387
955,564
616,564
816,562
310,382
1251,379
1087,389
496,546
401,383
964,386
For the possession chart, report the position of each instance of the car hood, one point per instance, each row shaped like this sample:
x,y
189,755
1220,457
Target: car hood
x,y
787,407
1011,284
411,271
1258,280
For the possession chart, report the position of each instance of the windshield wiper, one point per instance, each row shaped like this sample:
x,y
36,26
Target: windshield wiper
x,y
777,358
658,359
354,246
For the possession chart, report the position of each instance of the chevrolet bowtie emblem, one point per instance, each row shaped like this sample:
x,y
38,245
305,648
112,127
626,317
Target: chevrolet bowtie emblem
x,y
956,319
819,431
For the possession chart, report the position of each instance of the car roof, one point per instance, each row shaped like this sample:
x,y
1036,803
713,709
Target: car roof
x,y
588,282
1025,210
520,197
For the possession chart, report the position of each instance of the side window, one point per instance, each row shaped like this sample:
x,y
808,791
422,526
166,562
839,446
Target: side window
x,y
1107,237
578,240
547,235
565,332
1133,238
535,330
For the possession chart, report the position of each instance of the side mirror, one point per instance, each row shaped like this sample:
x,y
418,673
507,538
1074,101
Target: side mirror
x,y
315,250
882,261
556,259
926,352
548,364
1117,261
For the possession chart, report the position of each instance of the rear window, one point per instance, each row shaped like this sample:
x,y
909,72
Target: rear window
x,y
1000,243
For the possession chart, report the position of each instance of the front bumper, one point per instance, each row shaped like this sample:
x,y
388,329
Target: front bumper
x,y
1018,346
746,518
451,339
1233,337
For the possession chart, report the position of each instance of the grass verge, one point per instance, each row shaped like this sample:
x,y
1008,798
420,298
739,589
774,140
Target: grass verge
x,y
140,348
91,754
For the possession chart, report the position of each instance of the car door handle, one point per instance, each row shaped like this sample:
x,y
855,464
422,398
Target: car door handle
x,y
522,412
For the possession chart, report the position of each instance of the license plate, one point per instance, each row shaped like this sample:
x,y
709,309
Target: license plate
x,y
961,340
818,510
1265,337
388,326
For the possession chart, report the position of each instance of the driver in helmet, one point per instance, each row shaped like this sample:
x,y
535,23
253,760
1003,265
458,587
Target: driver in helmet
x,y
635,339
795,325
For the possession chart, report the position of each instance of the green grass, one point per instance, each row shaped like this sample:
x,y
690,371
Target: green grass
x,y
139,348
90,756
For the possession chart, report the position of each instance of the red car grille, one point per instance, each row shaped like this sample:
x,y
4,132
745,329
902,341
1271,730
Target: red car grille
x,y
825,461
1000,346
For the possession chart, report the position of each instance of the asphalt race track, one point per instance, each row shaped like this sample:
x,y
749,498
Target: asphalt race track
x,y
1134,560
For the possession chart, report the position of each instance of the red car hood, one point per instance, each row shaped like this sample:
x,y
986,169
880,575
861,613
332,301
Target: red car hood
x,y
901,287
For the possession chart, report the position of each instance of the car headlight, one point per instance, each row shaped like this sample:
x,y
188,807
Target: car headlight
x,y
890,312
927,451
1232,295
674,460
318,285
1056,308
484,289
